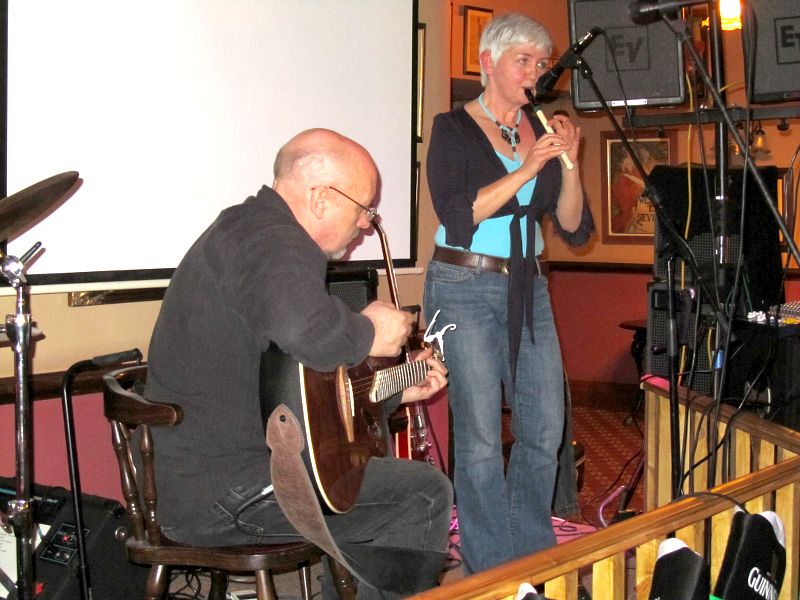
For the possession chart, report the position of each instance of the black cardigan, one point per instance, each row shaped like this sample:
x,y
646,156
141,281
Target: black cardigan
x,y
461,161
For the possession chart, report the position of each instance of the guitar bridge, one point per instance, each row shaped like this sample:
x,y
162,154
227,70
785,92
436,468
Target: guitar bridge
x,y
344,396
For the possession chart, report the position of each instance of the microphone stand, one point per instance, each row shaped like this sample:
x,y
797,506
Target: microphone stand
x,y
20,510
678,246
768,196
106,360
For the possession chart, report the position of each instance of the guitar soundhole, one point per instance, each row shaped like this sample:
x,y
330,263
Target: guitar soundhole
x,y
374,429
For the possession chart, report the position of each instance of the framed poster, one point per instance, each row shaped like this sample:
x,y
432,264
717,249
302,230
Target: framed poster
x,y
629,218
420,95
475,19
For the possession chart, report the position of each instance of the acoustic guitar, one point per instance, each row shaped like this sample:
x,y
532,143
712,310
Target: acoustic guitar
x,y
343,414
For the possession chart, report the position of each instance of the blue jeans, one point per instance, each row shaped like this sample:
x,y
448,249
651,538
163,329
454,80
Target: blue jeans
x,y
501,517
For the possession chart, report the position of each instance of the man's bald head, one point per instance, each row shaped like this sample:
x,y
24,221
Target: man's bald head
x,y
320,174
323,156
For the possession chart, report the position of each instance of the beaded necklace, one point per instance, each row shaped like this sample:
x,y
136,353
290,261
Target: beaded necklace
x,y
509,134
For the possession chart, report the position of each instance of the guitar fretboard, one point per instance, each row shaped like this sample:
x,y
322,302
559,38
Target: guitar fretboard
x,y
388,382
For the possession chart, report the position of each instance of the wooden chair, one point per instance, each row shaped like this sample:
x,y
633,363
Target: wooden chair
x,y
127,410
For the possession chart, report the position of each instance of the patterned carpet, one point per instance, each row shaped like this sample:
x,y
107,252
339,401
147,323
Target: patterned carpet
x,y
612,442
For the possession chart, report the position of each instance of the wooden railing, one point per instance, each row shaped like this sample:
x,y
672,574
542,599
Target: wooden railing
x,y
766,468
753,442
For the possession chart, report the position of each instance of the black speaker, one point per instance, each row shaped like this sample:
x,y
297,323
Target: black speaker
x,y
56,557
355,287
771,32
766,359
648,58
762,280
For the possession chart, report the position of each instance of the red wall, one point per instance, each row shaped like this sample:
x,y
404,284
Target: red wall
x,y
589,307
97,463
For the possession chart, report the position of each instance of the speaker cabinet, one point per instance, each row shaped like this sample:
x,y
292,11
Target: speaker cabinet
x,y
56,557
682,205
355,287
771,35
648,57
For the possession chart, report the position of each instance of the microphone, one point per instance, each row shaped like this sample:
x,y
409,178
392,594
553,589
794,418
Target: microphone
x,y
679,573
527,592
546,82
755,558
641,10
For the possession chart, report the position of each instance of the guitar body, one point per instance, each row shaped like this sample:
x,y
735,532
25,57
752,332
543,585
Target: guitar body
x,y
342,426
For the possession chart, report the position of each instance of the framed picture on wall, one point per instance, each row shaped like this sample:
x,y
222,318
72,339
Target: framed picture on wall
x,y
420,78
475,19
629,218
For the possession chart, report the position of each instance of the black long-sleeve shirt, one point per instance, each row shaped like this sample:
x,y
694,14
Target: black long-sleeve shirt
x,y
252,278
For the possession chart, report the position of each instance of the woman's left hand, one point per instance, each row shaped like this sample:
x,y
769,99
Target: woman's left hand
x,y
571,134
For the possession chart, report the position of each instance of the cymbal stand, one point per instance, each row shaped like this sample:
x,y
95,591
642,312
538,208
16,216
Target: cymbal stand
x,y
20,514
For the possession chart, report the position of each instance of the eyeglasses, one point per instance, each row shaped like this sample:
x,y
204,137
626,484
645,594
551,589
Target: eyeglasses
x,y
545,64
371,212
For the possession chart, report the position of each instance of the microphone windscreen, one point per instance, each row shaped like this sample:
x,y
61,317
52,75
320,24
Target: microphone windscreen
x,y
679,573
527,592
755,558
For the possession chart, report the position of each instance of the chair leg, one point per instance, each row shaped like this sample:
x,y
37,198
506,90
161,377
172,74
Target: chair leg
x,y
265,586
157,582
344,582
219,585
305,580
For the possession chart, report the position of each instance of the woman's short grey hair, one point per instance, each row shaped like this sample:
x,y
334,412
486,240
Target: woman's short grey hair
x,y
512,29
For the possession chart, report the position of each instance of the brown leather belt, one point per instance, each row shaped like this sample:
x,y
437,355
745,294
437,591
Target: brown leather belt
x,y
471,260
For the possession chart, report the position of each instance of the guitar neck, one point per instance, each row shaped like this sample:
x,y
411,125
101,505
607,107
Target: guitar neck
x,y
391,381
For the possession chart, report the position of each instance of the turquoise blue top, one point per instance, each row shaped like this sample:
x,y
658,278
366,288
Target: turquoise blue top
x,y
492,236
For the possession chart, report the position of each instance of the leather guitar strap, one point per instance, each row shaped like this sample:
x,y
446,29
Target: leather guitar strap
x,y
292,486
402,571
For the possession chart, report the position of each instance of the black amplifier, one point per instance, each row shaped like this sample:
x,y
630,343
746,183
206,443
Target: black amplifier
x,y
56,560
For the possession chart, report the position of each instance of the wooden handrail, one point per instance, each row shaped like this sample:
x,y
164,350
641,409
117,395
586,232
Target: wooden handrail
x,y
503,581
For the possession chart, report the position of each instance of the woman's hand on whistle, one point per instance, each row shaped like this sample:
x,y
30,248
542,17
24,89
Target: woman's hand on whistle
x,y
547,147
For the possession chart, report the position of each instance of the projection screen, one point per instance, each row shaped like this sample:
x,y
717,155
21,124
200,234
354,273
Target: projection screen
x,y
171,110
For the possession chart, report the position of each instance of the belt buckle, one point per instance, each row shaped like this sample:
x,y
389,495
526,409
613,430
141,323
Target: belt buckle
x,y
504,268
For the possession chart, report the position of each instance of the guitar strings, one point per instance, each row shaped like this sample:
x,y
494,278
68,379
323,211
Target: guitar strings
x,y
361,384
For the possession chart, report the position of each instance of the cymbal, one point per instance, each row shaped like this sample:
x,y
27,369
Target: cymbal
x,y
21,211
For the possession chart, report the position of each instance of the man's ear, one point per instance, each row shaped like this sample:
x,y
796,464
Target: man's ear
x,y
318,201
